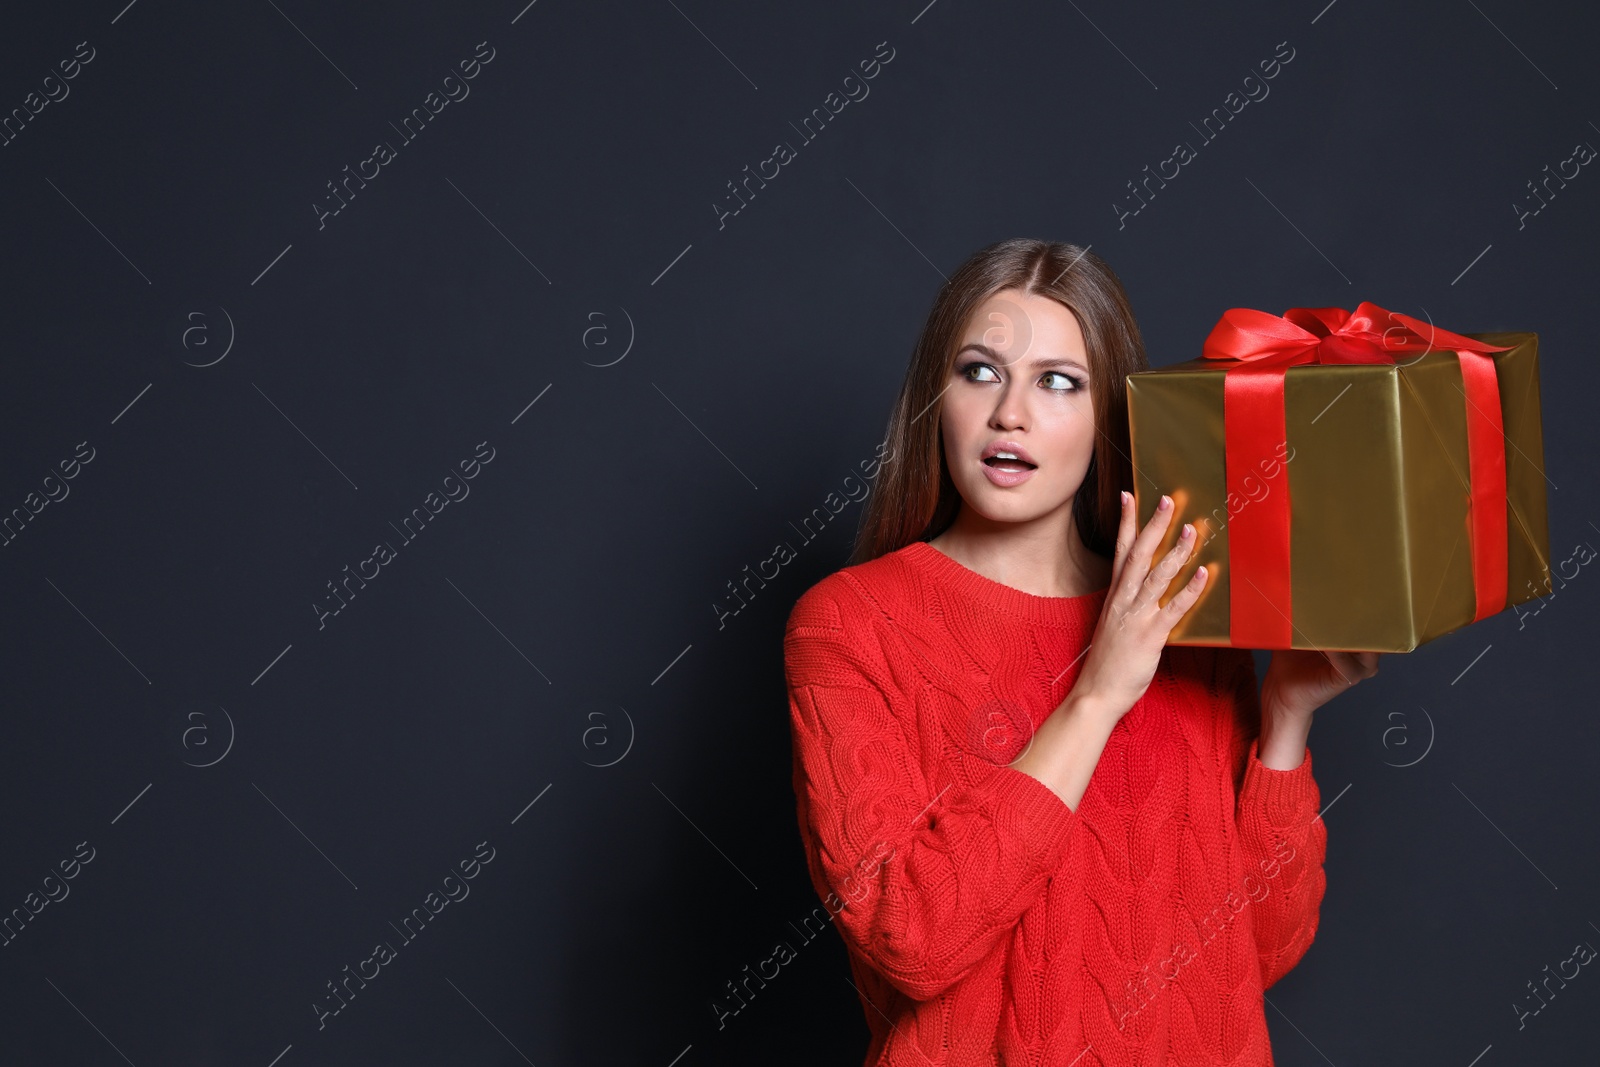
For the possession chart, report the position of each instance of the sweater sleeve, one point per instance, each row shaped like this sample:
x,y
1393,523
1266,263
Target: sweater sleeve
x,y
1284,838
923,879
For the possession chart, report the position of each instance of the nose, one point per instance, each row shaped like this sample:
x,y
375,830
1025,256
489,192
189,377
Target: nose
x,y
1011,407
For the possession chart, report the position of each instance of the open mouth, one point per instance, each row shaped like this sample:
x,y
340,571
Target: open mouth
x,y
1004,464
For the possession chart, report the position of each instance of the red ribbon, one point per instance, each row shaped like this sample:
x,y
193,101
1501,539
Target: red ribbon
x,y
1264,347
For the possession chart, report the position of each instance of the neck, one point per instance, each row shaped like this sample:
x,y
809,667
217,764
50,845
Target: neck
x,y
1044,556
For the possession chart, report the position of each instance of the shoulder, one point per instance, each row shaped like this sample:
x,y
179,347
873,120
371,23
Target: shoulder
x,y
847,627
855,596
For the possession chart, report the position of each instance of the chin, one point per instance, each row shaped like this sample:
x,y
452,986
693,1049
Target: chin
x,y
1003,505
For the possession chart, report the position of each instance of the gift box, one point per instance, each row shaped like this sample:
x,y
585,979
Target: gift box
x,y
1358,480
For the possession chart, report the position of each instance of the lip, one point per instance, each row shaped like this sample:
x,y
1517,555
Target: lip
x,y
1007,479
1007,446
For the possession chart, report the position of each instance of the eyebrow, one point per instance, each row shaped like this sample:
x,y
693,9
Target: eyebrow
x,y
1046,361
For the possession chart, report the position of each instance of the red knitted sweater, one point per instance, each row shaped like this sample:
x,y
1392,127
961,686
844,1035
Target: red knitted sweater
x,y
987,922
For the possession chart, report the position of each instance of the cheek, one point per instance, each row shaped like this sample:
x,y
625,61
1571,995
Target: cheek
x,y
1069,433
960,423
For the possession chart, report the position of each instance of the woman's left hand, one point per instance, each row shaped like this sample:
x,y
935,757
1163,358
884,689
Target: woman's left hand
x,y
1299,680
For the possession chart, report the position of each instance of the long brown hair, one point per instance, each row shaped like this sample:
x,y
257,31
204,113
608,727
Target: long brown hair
x,y
915,498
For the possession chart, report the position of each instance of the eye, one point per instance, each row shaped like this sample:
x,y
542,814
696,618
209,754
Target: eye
x,y
966,371
1074,383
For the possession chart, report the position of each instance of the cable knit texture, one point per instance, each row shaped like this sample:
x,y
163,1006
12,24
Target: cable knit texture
x,y
987,922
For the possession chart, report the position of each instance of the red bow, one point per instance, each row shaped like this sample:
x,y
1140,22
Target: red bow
x,y
1264,347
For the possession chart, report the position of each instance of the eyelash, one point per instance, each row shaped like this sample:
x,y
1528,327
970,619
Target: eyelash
x,y
965,370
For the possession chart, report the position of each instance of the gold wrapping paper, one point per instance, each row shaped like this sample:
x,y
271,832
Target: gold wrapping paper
x,y
1376,458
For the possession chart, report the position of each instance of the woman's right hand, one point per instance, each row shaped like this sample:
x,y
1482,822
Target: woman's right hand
x,y
1127,642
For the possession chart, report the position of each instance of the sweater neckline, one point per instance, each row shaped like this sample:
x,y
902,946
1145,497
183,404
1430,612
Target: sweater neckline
x,y
979,587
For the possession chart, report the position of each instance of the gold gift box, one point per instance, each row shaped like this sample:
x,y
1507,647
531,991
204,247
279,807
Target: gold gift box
x,y
1377,467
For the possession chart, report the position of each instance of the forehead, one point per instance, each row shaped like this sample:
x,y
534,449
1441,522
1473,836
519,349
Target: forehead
x,y
1025,325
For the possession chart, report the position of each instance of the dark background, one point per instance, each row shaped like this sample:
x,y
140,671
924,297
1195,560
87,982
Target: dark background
x,y
542,269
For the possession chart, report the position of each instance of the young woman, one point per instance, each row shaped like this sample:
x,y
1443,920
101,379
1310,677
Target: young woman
x,y
1045,836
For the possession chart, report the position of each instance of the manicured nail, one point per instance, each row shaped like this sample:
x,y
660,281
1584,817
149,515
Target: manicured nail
x,y
1187,529
1201,573
1166,502
1124,498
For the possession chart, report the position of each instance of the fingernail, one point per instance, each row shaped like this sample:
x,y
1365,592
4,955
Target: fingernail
x,y
1124,495
1187,529
1166,502
1201,572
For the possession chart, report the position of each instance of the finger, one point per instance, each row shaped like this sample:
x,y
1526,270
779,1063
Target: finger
x,y
1346,667
1185,597
1144,545
1160,577
1359,665
1126,526
1172,562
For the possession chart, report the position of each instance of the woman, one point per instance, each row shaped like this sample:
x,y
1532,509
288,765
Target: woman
x,y
1044,836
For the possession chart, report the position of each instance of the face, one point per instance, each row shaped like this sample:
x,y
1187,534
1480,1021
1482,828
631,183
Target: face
x,y
1020,383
